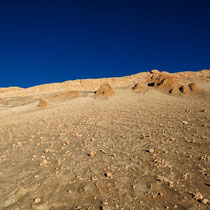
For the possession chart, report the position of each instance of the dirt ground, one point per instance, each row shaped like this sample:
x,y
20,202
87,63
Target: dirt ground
x,y
146,150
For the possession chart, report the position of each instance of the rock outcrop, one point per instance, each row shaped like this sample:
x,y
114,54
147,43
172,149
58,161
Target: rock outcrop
x,y
138,87
105,90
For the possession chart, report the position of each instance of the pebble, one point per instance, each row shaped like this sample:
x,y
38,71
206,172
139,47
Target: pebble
x,y
108,174
205,201
172,139
44,162
150,150
37,200
94,178
198,196
69,191
91,154
93,139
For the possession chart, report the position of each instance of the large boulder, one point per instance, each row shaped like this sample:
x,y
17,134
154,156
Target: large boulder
x,y
165,82
42,103
105,90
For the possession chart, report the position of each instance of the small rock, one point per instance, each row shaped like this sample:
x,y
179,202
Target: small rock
x,y
206,124
184,122
69,191
184,176
198,196
205,201
160,194
150,150
108,174
162,178
83,189
189,156
19,144
91,154
44,162
94,178
46,151
37,200
171,184
172,139
93,139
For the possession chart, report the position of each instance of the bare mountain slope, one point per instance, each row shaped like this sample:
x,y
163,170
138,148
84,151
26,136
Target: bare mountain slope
x,y
132,150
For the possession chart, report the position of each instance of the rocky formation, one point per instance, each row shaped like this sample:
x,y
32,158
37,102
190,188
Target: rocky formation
x,y
42,103
138,87
164,80
105,90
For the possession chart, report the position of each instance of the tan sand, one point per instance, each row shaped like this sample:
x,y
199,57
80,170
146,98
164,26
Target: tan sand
x,y
128,151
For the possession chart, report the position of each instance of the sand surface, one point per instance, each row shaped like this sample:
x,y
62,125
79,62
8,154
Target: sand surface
x,y
145,150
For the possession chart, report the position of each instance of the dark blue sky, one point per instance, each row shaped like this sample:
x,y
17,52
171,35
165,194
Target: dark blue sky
x,y
53,41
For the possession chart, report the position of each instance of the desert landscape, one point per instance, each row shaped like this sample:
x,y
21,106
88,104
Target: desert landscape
x,y
135,142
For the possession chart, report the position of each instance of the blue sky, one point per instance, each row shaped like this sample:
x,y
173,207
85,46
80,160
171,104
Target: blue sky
x,y
54,41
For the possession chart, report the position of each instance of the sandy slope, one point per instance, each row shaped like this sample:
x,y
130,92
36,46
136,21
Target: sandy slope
x,y
146,150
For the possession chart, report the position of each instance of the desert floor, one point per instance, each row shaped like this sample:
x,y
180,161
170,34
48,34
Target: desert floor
x,y
146,150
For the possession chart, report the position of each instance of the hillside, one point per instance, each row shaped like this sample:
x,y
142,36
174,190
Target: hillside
x,y
136,142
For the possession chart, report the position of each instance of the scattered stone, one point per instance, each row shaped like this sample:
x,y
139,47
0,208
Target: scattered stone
x,y
105,90
46,151
94,178
205,201
160,162
172,139
108,174
184,176
93,139
44,162
171,184
184,122
198,196
83,189
37,200
189,156
42,103
162,179
205,158
206,124
150,150
77,135
91,154
160,194
19,144
41,138
69,192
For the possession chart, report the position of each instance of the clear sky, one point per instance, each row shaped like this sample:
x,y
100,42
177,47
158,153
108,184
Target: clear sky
x,y
45,41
